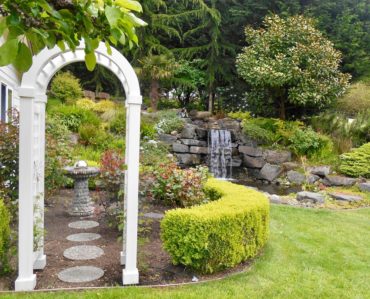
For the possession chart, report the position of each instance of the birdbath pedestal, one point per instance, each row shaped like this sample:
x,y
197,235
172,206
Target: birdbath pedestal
x,y
81,204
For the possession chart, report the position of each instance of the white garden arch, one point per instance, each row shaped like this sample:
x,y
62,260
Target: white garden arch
x,y
32,93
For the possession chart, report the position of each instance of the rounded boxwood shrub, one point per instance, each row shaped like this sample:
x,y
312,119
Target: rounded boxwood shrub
x,y
357,162
219,234
4,238
66,87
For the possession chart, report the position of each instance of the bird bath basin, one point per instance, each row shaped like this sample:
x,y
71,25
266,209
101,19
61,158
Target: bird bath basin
x,y
82,204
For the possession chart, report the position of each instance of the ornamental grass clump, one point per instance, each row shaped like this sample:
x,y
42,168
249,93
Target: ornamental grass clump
x,y
220,234
357,162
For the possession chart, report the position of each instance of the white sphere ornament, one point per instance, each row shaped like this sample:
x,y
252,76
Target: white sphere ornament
x,y
80,164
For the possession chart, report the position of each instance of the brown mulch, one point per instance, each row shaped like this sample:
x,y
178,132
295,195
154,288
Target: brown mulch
x,y
154,263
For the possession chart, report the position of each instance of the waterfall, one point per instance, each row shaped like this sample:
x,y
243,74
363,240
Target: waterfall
x,y
219,146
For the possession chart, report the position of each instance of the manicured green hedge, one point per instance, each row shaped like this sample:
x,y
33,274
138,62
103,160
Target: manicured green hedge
x,y
4,237
357,162
219,234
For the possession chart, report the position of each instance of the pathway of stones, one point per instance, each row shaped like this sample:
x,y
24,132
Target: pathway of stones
x,y
82,252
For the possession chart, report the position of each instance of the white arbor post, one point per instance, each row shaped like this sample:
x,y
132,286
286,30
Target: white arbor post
x,y
39,256
130,274
26,279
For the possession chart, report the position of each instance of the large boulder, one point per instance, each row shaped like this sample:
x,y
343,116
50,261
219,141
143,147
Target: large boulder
x,y
270,172
188,159
180,148
364,187
336,180
194,142
277,157
320,170
253,162
189,131
314,197
296,177
250,151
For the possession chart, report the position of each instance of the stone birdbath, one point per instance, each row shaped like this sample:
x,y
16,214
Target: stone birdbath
x,y
82,204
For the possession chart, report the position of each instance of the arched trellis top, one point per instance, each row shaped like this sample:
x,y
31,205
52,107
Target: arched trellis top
x,y
32,93
48,62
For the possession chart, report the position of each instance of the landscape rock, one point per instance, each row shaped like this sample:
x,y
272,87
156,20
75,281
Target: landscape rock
x,y
167,138
311,197
236,162
364,187
200,114
320,170
274,198
296,177
188,159
194,142
180,148
312,178
198,150
336,180
252,162
270,172
345,197
189,131
250,151
201,133
277,157
289,166
254,173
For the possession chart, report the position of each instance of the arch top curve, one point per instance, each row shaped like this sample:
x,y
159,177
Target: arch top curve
x,y
49,61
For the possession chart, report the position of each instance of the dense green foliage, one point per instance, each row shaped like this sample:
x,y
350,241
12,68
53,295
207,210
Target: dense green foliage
x,y
293,63
66,88
4,238
357,162
59,22
355,100
168,122
219,234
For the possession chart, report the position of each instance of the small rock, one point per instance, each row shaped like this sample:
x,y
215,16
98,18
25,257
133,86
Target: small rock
x,y
195,279
320,170
174,133
364,187
290,166
180,148
277,157
310,196
296,177
252,162
274,198
250,151
188,159
189,132
167,138
345,197
336,180
312,178
236,162
270,172
194,142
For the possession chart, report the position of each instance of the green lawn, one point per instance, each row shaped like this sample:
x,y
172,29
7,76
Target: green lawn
x,y
310,254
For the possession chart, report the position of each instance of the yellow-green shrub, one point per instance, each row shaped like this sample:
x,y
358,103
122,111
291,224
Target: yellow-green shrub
x,y
104,106
66,87
86,103
4,238
357,162
219,234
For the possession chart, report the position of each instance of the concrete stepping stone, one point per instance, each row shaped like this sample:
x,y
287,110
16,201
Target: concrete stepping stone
x,y
83,252
83,237
84,224
80,274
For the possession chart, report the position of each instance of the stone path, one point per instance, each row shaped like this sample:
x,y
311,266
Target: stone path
x,y
82,253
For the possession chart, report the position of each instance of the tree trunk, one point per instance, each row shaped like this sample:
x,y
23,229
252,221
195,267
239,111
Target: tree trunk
x,y
282,108
211,99
154,94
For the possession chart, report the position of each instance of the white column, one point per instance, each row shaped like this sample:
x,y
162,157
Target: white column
x,y
130,273
40,257
26,280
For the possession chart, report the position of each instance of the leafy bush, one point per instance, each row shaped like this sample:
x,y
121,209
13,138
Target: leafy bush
x,y
86,103
154,153
308,143
240,115
86,153
112,167
219,234
178,187
66,87
356,99
258,133
169,121
58,154
357,162
9,162
73,116
118,124
4,238
104,106
91,135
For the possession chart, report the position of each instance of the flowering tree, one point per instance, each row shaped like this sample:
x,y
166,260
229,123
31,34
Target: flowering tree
x,y
291,62
30,26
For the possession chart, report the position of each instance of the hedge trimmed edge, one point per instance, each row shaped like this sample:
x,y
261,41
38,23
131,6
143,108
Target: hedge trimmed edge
x,y
219,234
